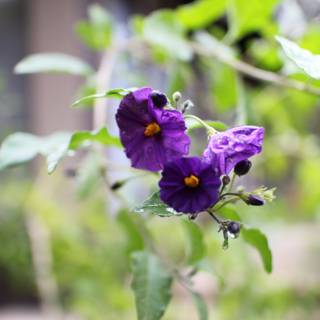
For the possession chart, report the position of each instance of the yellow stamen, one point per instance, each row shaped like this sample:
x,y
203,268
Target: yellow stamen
x,y
191,181
152,129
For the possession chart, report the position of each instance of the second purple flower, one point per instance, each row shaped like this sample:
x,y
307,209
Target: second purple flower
x,y
226,149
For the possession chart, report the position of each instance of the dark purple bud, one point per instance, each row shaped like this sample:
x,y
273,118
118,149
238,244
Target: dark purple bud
x,y
254,200
117,185
242,167
159,99
234,227
225,180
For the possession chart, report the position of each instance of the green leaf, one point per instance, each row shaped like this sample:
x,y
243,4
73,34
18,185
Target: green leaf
x,y
90,175
195,244
154,205
223,87
102,136
255,15
193,124
151,285
258,240
18,148
54,148
229,212
200,305
162,28
23,147
114,93
304,59
97,32
131,230
199,14
53,63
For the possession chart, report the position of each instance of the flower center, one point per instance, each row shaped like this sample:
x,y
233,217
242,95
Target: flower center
x,y
191,181
151,129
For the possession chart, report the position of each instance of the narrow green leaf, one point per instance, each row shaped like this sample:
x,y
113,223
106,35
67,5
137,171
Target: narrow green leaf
x,y
199,14
118,93
200,305
162,29
195,244
102,136
304,59
258,240
151,285
154,205
53,63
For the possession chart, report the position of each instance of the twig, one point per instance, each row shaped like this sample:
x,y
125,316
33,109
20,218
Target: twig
x,y
252,71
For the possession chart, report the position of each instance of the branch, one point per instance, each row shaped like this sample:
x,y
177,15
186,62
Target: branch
x,y
249,70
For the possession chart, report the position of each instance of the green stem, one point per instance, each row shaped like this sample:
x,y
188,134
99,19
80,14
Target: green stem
x,y
210,130
232,182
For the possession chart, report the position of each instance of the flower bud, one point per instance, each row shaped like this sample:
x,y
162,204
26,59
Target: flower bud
x,y
234,228
117,185
254,200
226,180
187,105
242,167
159,99
176,96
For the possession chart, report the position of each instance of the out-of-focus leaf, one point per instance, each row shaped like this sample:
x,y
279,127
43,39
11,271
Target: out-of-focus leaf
x,y
137,24
89,175
102,136
97,32
154,205
195,244
304,59
193,124
258,240
229,212
151,285
53,63
199,14
134,239
118,93
224,87
54,148
256,15
162,28
22,147
200,305
18,148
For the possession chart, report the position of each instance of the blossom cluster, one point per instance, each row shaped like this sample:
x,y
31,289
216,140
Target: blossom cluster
x,y
154,136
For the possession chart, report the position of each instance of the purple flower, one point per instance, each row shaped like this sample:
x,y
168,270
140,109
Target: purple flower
x,y
151,135
189,185
226,149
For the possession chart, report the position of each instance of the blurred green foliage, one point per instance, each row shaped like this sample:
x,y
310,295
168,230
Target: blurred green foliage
x,y
91,248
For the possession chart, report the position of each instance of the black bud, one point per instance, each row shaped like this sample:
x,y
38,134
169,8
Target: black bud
x,y
225,180
242,167
117,185
254,200
234,227
159,99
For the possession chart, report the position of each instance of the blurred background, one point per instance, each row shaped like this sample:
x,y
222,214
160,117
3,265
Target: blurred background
x,y
64,248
